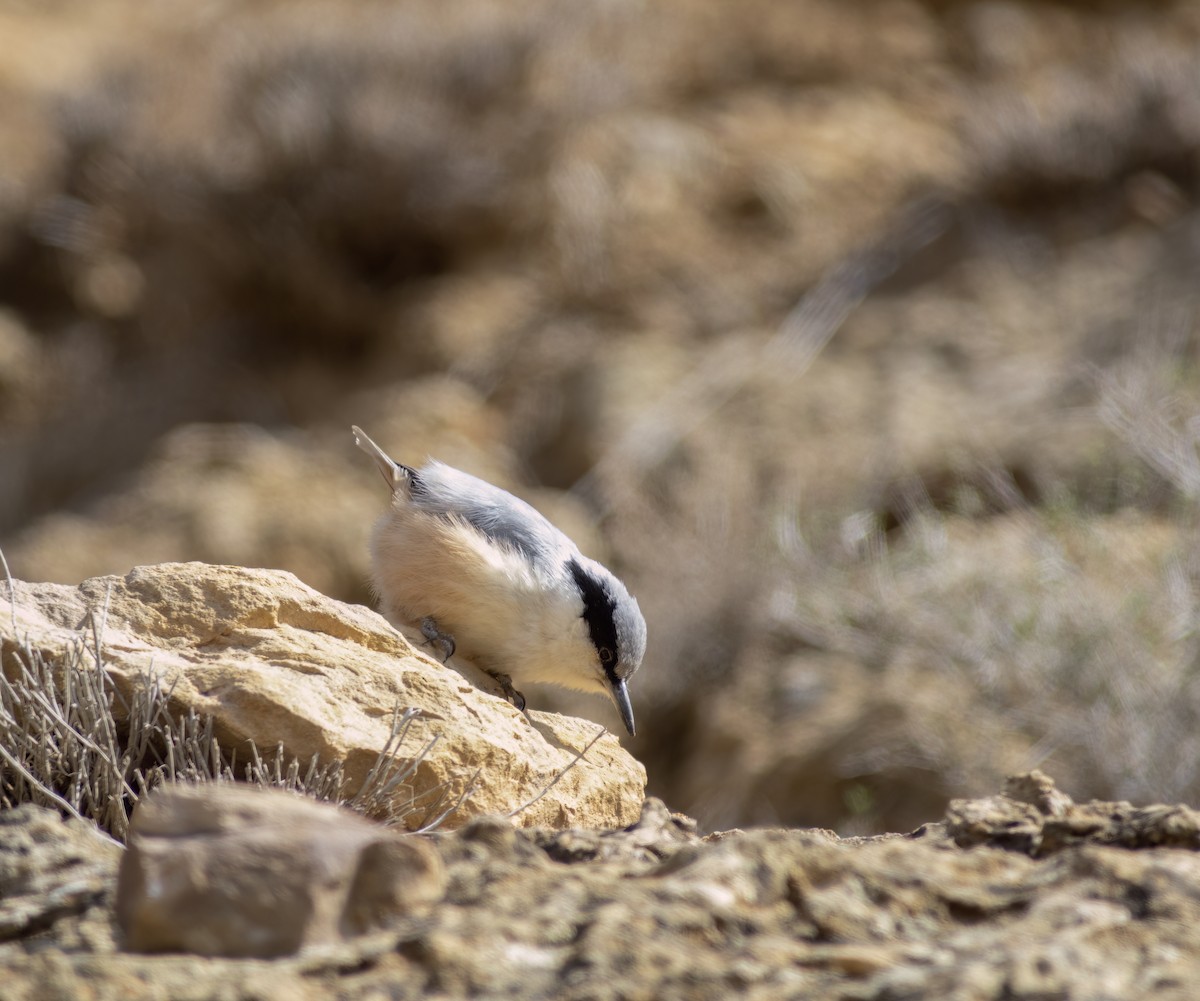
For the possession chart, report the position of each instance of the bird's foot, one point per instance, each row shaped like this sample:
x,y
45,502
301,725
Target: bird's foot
x,y
436,638
510,693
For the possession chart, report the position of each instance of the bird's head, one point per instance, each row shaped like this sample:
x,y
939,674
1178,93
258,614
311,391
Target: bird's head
x,y
617,630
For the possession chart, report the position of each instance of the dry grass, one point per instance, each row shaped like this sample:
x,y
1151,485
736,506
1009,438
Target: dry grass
x,y
70,740
810,670
1045,643
1052,635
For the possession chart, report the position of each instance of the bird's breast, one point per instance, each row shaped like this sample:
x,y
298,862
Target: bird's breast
x,y
504,614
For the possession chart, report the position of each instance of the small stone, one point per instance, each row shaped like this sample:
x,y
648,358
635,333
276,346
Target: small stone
x,y
1037,789
231,871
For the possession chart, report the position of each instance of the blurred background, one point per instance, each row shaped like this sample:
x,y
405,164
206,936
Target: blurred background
x,y
860,339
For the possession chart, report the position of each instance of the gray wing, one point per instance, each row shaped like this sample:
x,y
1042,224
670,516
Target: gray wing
x,y
496,513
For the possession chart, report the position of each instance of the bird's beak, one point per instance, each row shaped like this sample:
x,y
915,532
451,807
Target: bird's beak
x,y
620,697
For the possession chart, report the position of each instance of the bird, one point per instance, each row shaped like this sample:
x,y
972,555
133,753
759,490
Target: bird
x,y
486,579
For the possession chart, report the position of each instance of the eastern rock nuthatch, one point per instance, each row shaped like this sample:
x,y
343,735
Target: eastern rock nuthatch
x,y
485,578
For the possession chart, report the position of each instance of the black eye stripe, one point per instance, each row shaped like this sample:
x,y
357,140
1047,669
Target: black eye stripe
x,y
598,608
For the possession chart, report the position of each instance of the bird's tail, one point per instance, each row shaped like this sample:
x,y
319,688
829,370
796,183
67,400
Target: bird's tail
x,y
398,477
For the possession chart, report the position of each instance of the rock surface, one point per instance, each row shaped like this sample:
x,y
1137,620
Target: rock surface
x,y
225,871
654,911
274,662
51,872
1036,818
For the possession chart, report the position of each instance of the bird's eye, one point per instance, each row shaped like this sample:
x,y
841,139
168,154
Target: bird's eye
x,y
606,655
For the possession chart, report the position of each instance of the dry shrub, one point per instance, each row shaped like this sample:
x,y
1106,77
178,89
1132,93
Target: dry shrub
x,y
69,740
1055,635
860,683
855,670
1064,630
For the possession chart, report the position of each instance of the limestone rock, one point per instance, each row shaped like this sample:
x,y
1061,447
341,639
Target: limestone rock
x,y
1035,817
227,871
276,663
657,835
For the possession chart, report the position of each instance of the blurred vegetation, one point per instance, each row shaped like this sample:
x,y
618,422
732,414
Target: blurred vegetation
x,y
860,338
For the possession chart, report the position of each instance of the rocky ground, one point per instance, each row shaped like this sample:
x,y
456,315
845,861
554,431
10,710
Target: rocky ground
x,y
1021,896
549,877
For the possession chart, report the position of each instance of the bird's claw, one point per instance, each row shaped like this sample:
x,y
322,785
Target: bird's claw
x,y
510,693
445,643
436,638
